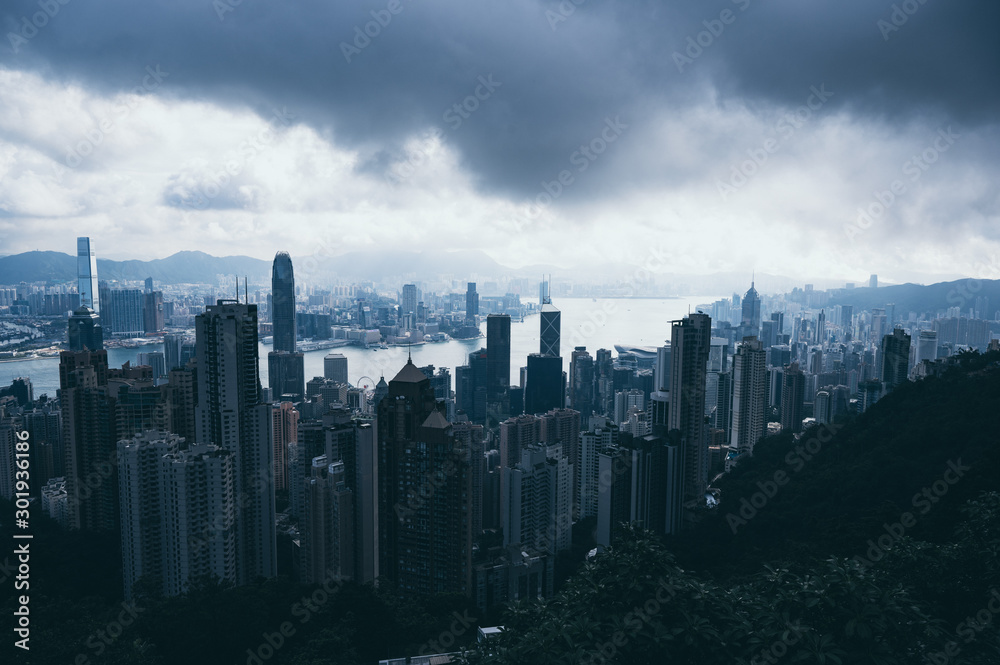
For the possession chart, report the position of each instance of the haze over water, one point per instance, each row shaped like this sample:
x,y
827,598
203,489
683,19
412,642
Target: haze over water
x,y
596,324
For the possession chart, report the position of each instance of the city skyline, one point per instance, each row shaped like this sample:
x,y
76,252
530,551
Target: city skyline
x,y
499,333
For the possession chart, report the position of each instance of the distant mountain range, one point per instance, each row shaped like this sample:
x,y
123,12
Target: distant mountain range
x,y
931,299
437,267
180,268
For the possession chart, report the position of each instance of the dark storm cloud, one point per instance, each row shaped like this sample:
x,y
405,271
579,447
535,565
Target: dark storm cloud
x,y
558,71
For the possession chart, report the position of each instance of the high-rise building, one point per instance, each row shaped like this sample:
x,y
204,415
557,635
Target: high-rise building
x,y
562,426
285,430
601,435
155,361
690,343
821,406
792,398
895,352
641,485
8,458
516,434
152,311
86,270
926,346
821,327
142,505
750,320
536,500
581,383
201,516
283,303
47,457
873,282
470,436
551,324
424,515
749,396
470,386
286,375
123,313
497,355
180,395
408,306
90,433
545,386
335,367
327,524
85,331
231,415
471,304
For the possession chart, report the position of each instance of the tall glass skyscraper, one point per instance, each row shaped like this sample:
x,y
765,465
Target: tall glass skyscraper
x,y
750,319
283,302
286,368
497,355
550,330
86,270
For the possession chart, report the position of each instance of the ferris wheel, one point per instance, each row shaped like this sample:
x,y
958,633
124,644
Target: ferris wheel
x,y
366,383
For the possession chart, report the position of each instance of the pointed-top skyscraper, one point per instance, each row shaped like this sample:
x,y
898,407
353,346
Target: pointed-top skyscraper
x,y
750,321
283,302
285,367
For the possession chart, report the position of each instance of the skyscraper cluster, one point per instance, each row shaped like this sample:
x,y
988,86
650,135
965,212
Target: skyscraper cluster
x,y
425,488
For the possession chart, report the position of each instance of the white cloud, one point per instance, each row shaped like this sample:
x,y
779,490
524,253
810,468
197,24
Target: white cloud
x,y
167,174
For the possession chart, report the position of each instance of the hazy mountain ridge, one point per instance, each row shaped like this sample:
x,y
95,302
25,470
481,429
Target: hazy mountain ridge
x,y
437,266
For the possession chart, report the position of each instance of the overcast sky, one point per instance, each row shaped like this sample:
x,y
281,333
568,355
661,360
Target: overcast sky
x,y
741,134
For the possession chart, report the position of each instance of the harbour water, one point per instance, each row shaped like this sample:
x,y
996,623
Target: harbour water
x,y
594,323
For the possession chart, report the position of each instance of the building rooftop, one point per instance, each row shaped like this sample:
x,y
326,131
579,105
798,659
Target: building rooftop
x,y
410,374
